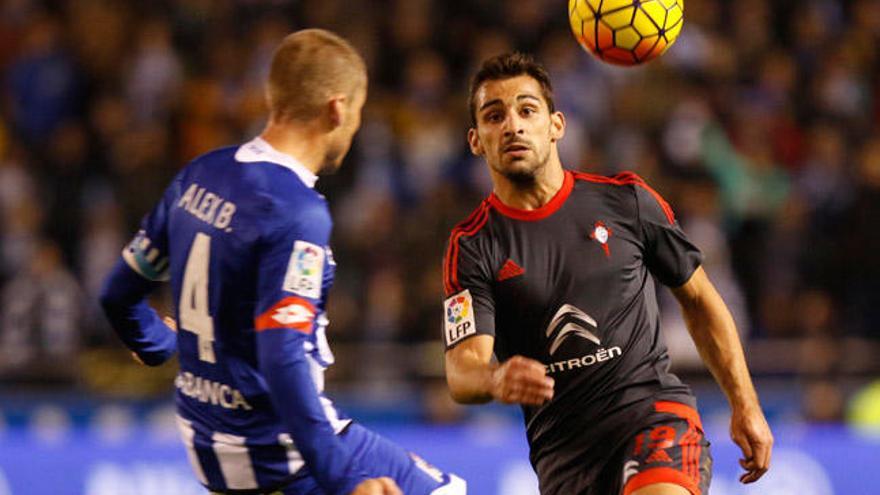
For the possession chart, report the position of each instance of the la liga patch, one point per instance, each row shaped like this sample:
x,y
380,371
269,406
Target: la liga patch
x,y
459,317
305,270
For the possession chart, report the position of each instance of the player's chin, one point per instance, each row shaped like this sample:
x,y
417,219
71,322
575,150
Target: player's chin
x,y
520,171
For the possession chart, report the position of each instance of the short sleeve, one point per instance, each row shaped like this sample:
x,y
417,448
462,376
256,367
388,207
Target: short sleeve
x,y
291,271
469,307
669,255
147,253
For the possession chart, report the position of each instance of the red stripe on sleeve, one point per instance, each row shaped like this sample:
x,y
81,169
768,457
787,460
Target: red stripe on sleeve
x,y
468,228
463,225
630,178
291,312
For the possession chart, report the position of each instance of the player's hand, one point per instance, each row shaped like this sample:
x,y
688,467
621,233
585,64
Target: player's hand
x,y
172,324
749,430
521,380
377,486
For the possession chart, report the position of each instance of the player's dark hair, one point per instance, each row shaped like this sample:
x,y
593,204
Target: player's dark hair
x,y
506,66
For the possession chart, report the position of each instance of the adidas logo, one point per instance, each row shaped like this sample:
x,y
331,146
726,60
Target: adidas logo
x,y
509,270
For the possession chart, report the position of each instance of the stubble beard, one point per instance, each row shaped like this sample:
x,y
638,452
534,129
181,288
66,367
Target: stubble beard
x,y
525,177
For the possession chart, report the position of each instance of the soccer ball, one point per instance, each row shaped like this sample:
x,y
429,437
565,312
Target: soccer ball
x,y
626,32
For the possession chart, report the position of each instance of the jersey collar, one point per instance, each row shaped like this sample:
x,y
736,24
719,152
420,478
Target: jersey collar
x,y
544,211
258,150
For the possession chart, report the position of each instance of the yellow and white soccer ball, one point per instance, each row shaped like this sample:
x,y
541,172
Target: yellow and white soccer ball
x,y
626,32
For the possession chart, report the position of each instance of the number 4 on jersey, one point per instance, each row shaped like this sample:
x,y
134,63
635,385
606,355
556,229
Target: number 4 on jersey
x,y
193,307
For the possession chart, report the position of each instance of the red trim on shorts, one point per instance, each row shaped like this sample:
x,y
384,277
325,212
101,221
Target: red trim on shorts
x,y
694,447
683,411
660,475
539,213
469,227
630,178
690,441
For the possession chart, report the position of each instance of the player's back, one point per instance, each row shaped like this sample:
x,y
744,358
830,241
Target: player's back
x,y
222,214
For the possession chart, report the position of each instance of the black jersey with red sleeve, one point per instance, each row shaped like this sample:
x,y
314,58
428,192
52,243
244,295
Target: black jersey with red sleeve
x,y
571,285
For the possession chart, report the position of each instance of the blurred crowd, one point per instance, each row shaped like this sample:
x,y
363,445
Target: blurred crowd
x,y
761,126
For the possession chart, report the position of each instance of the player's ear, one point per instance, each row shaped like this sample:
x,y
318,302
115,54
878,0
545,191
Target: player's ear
x,y
337,107
557,126
474,142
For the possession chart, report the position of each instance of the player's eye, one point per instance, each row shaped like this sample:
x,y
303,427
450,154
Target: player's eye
x,y
494,117
528,111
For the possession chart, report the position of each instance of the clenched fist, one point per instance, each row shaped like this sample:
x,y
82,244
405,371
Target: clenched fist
x,y
521,380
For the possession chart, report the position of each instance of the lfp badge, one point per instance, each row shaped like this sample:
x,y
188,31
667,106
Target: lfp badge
x,y
458,310
305,270
308,260
459,317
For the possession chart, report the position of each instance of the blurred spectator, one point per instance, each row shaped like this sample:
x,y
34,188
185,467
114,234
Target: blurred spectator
x,y
156,74
753,190
861,243
44,87
40,319
63,183
700,215
22,218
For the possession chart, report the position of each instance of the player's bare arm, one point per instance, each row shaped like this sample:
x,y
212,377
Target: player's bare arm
x,y
473,377
714,333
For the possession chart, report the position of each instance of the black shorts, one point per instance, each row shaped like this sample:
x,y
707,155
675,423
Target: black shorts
x,y
671,448
653,442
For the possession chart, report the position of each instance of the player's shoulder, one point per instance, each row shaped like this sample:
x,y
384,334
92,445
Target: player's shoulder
x,y
225,154
270,178
269,175
622,180
463,251
629,184
250,174
625,183
473,224
268,190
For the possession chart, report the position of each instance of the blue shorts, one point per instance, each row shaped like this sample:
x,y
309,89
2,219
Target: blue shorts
x,y
379,457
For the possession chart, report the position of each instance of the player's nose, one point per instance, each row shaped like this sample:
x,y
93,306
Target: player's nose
x,y
512,125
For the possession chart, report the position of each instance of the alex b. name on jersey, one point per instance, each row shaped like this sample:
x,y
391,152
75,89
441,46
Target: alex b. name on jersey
x,y
207,206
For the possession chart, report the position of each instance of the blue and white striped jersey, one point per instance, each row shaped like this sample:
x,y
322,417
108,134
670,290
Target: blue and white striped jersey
x,y
244,240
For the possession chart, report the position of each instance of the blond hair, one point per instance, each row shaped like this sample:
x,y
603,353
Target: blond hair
x,y
307,69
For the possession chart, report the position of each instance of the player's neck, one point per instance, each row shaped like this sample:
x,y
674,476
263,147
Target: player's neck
x,y
532,195
302,142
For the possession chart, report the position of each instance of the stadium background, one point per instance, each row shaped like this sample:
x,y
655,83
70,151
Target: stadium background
x,y
760,126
